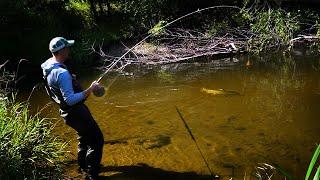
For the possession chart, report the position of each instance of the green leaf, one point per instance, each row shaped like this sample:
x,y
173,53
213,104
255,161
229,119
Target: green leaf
x,y
284,172
158,28
317,175
312,162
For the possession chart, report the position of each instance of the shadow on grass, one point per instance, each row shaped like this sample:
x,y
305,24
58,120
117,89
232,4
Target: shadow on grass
x,y
144,172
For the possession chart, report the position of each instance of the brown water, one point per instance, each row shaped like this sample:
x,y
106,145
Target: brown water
x,y
274,120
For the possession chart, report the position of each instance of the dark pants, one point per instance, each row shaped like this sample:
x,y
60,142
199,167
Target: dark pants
x,y
89,135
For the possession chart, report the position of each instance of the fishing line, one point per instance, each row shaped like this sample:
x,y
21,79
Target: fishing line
x,y
151,34
195,141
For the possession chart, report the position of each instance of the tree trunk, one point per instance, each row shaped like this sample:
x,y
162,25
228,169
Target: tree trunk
x,y
109,6
100,6
93,9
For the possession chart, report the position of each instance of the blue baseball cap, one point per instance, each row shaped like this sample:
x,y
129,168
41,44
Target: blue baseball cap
x,y
59,43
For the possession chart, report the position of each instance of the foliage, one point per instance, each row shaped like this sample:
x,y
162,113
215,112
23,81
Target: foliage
x,y
24,21
312,164
265,24
318,28
28,150
144,13
158,28
284,172
217,28
6,79
273,27
82,9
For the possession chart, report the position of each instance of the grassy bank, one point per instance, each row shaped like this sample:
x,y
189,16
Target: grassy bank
x,y
28,150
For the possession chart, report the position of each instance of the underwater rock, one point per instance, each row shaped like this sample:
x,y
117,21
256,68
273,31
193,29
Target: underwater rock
x,y
154,142
150,122
238,149
146,142
232,118
240,128
116,141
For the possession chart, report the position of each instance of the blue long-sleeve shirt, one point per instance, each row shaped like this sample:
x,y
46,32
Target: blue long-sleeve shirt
x,y
60,79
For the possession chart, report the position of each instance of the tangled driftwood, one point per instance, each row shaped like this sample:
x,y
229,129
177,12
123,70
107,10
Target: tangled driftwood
x,y
302,39
177,45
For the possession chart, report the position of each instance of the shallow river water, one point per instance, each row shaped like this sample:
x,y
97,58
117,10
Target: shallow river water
x,y
274,119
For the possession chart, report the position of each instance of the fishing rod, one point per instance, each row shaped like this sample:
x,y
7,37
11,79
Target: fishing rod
x,y
213,176
159,29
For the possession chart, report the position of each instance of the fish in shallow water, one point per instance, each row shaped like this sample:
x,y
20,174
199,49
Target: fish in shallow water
x,y
216,92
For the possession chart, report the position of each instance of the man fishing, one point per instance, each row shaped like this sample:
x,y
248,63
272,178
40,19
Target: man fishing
x,y
63,89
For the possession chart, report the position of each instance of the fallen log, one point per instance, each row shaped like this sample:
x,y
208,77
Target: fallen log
x,y
304,39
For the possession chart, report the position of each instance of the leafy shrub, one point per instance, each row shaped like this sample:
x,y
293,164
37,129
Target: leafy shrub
x,y
273,28
82,10
144,13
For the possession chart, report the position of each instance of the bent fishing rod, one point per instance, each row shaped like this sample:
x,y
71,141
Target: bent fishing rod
x,y
158,30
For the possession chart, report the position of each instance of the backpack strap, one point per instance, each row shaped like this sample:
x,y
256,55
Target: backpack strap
x,y
56,98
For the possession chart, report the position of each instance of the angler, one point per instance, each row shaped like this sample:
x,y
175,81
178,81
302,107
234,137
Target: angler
x,y
63,88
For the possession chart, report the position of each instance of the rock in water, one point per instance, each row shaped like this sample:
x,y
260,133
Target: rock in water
x,y
99,91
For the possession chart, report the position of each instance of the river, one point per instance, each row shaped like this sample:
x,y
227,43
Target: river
x,y
274,119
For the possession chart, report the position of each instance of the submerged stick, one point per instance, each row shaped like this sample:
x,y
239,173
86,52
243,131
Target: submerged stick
x,y
195,141
161,28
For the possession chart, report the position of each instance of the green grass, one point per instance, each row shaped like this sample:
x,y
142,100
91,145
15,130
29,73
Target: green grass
x,y
312,165
27,148
284,172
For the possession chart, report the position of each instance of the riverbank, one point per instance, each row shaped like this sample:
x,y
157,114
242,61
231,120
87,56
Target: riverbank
x,y
266,25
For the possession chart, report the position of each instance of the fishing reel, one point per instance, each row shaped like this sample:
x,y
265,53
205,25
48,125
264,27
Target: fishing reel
x,y
99,91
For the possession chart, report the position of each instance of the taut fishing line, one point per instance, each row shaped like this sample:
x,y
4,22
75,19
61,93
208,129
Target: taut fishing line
x,y
195,141
101,90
